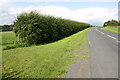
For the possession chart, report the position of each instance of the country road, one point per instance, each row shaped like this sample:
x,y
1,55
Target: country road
x,y
103,53
103,60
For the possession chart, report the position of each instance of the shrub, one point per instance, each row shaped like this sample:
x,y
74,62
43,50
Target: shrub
x,y
36,28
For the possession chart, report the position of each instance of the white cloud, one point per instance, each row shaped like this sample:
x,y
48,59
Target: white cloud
x,y
4,12
91,15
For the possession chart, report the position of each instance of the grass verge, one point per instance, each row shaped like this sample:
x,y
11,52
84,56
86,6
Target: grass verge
x,y
44,61
113,29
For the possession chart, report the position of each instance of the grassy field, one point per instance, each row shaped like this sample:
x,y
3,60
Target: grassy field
x,y
44,61
8,38
113,29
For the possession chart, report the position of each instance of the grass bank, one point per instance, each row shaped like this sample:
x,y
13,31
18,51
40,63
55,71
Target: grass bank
x,y
44,61
113,29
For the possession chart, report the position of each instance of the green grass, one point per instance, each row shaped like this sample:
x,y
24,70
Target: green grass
x,y
8,38
113,29
44,61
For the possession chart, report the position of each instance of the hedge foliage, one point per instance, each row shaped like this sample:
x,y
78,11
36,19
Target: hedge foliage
x,y
36,28
6,27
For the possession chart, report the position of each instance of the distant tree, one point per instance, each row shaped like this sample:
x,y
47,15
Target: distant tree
x,y
111,23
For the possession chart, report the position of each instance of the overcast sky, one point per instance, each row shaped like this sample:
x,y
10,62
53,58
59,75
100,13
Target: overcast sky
x,y
95,12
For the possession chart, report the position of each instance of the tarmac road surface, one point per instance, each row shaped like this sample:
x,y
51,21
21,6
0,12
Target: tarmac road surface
x,y
103,60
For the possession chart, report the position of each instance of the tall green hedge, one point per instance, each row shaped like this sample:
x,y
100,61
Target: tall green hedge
x,y
36,28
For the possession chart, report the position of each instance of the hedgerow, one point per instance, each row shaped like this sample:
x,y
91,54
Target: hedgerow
x,y
36,28
6,27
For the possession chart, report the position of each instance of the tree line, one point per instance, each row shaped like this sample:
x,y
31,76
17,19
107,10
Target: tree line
x,y
112,23
6,27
